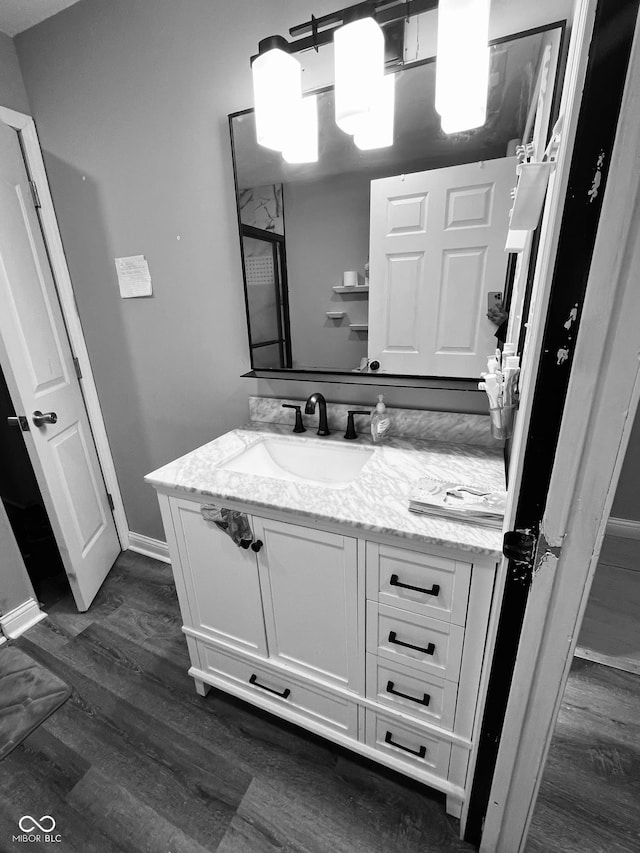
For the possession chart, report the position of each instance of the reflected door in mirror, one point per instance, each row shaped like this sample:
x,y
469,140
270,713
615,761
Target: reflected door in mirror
x,y
436,252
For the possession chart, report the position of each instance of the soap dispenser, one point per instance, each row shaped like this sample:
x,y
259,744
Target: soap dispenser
x,y
380,421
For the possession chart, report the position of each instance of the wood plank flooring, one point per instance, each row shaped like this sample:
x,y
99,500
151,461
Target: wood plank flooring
x,y
610,631
137,761
589,799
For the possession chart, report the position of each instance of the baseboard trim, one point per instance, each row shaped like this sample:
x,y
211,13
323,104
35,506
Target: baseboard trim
x,y
624,664
625,528
21,618
155,548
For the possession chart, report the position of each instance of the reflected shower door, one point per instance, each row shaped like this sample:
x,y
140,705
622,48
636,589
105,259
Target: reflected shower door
x,y
266,298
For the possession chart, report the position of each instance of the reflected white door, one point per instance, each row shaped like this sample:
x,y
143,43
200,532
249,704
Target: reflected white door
x,y
38,363
436,252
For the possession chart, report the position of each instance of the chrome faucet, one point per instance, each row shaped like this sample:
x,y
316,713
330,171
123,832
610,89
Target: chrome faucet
x,y
310,407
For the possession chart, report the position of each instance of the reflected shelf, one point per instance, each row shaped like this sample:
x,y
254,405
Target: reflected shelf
x,y
351,288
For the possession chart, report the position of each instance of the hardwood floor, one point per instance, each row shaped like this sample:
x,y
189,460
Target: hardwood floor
x,y
137,761
590,793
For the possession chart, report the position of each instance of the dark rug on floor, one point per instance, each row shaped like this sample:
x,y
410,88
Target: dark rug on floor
x,y
29,693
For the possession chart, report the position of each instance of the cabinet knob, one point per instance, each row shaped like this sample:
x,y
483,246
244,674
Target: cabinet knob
x,y
256,546
244,543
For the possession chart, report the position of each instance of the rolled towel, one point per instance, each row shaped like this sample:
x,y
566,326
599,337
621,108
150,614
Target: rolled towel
x,y
234,523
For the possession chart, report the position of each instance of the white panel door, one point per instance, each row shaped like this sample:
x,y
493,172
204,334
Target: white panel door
x,y
436,251
309,587
41,377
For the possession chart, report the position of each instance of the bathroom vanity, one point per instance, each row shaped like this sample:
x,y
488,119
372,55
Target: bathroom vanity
x,y
344,613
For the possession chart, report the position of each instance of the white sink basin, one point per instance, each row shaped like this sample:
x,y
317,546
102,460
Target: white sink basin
x,y
330,465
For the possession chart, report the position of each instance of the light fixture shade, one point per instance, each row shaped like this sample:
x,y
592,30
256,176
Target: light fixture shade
x,y
375,130
462,63
359,71
302,145
277,91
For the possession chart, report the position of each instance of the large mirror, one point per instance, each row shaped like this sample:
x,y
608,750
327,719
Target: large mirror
x,y
389,260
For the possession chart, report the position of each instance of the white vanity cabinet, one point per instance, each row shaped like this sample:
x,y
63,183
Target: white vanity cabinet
x,y
377,645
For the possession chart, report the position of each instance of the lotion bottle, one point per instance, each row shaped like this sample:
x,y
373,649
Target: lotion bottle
x,y
380,421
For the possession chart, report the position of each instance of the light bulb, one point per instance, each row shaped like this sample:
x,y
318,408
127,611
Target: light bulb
x,y
302,145
462,63
277,92
375,129
359,71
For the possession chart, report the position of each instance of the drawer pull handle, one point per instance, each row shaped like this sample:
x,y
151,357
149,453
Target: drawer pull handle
x,y
435,588
284,695
419,753
424,701
428,651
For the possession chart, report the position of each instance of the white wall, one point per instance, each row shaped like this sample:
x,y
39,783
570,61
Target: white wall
x,y
131,104
626,503
12,91
332,212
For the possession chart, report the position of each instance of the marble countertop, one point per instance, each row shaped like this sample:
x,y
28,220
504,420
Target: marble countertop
x,y
377,500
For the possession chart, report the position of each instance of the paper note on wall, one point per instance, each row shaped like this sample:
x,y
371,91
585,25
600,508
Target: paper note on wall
x,y
134,278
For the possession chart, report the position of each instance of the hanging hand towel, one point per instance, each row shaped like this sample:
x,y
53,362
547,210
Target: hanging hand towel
x,y
235,524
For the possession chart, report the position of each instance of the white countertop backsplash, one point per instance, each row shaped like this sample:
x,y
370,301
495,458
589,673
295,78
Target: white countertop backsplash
x,y
452,427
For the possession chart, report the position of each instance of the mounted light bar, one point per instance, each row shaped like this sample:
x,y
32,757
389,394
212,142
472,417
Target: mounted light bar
x,y
277,92
462,63
364,96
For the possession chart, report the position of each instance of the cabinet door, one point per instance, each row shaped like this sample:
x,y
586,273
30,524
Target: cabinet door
x,y
221,581
309,583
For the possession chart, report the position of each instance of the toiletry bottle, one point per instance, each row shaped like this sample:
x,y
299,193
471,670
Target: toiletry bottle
x,y
380,421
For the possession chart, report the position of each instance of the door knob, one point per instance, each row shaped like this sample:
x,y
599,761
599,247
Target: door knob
x,y
40,419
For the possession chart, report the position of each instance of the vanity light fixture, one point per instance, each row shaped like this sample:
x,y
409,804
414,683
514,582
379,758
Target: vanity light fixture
x,y
277,92
462,63
376,130
302,144
359,67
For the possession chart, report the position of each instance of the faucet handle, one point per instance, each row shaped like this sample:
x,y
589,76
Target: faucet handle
x,y
351,433
299,427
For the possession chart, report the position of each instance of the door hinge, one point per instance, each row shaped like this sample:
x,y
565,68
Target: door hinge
x,y
519,547
111,503
34,195
76,364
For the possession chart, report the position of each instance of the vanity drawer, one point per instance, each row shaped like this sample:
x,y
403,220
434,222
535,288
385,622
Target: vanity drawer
x,y
280,689
408,744
418,641
423,583
425,697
